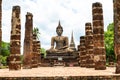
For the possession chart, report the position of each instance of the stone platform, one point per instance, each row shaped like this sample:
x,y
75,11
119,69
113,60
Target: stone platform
x,y
60,73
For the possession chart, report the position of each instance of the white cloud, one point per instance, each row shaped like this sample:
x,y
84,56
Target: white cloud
x,y
73,15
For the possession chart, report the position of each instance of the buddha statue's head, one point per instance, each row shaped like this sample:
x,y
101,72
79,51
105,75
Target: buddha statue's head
x,y
59,30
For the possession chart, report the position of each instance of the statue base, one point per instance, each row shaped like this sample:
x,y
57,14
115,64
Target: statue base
x,y
61,59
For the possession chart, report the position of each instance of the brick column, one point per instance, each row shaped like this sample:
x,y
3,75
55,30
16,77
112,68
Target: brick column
x,y
82,52
117,33
89,46
39,54
35,52
98,34
15,43
28,41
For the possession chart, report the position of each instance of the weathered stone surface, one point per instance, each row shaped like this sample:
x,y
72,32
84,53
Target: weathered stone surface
x,y
89,46
14,58
82,52
98,37
35,53
117,33
63,78
39,52
28,41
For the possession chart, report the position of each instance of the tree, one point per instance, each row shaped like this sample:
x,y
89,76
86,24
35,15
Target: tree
x,y
5,50
36,32
43,51
109,42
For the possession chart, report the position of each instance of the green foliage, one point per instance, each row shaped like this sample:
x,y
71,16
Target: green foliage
x,y
43,51
5,50
36,32
21,57
109,41
3,60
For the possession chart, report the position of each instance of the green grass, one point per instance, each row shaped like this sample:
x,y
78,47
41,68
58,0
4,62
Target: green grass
x,y
3,67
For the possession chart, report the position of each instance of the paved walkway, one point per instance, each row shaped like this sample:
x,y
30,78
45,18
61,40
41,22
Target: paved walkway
x,y
57,71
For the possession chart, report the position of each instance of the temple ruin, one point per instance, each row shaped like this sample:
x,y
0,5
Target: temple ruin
x,y
35,52
117,33
91,50
72,43
82,52
89,46
98,37
28,41
15,43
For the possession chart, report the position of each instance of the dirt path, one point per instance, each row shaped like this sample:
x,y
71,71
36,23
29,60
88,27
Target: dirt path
x,y
57,71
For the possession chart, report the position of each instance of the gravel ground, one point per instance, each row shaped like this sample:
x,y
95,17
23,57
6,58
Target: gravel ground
x,y
57,71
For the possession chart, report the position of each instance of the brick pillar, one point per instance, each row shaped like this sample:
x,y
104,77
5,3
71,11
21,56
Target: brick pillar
x,y
98,34
35,52
28,42
0,24
78,49
82,52
117,33
15,61
39,54
89,46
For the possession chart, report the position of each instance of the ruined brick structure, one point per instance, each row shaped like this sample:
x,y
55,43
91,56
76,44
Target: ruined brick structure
x,y
15,61
39,53
117,33
28,41
35,52
0,24
98,34
72,43
82,52
89,46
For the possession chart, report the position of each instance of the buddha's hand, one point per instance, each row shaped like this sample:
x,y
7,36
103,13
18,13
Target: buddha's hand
x,y
63,47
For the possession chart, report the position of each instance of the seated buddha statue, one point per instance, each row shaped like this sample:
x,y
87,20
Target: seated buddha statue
x,y
60,41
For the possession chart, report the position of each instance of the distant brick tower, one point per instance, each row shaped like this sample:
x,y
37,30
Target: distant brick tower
x,y
82,52
15,43
72,43
98,34
89,46
0,24
117,33
28,42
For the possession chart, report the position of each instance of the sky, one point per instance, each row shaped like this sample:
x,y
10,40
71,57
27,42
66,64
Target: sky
x,y
73,14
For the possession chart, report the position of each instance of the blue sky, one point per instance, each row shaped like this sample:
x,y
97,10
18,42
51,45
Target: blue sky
x,y
73,15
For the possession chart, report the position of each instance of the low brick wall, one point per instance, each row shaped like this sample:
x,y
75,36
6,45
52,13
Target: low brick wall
x,y
64,78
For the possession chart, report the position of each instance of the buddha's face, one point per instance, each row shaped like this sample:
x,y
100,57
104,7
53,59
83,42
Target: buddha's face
x,y
59,31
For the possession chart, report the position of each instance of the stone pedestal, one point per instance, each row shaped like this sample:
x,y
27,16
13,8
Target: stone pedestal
x,y
14,58
82,52
89,46
28,42
62,59
98,34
